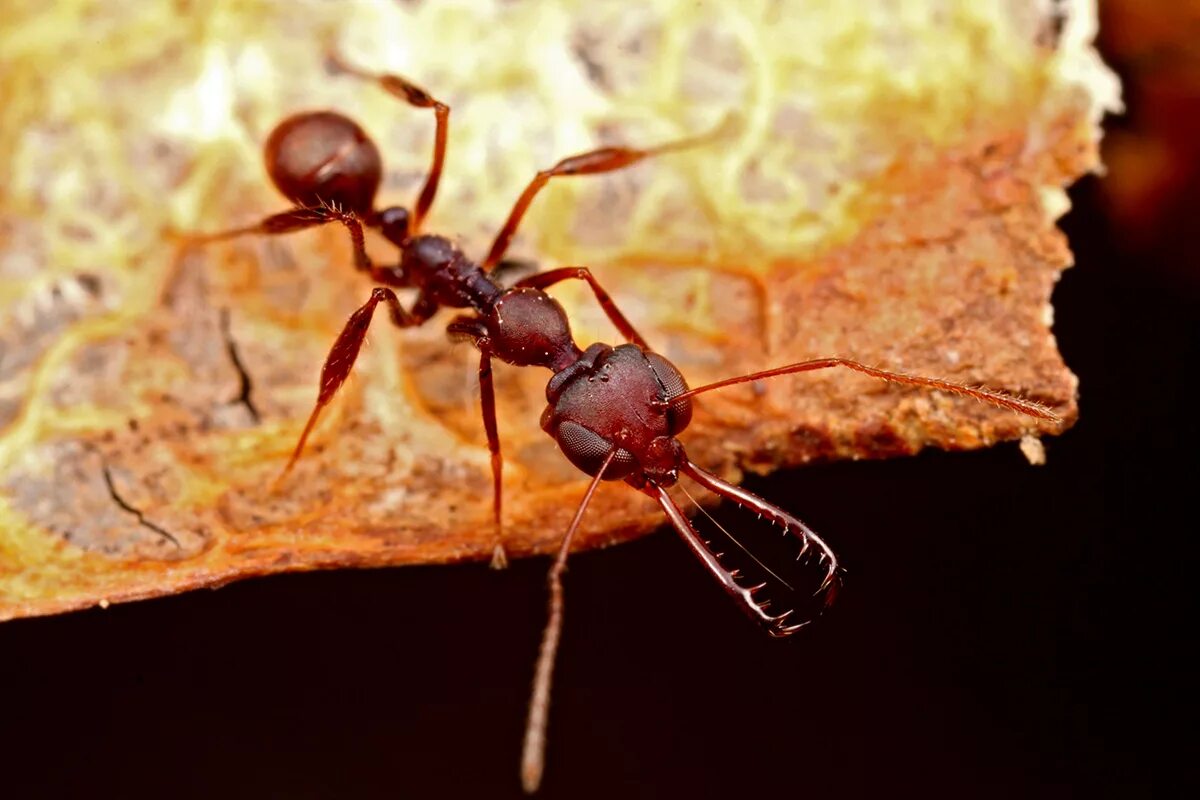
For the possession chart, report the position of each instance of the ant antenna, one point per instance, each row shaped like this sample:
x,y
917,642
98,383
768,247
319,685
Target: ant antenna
x,y
1028,407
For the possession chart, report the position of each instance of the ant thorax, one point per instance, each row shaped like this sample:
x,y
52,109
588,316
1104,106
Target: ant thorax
x,y
445,275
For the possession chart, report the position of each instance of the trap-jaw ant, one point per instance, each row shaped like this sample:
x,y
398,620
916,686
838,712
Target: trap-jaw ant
x,y
615,412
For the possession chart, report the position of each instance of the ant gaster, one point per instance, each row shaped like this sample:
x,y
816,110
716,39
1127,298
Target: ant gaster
x,y
615,412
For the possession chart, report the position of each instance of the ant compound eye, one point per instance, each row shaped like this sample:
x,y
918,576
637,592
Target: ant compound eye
x,y
587,450
679,414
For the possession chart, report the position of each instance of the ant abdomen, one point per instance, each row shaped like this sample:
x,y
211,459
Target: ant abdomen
x,y
320,158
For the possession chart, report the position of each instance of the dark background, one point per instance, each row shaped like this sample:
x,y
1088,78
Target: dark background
x,y
1005,631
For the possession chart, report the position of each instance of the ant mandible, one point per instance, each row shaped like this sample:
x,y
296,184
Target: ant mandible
x,y
615,412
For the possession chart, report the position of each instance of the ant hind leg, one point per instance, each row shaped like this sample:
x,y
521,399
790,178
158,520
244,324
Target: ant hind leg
x,y
345,352
414,95
299,219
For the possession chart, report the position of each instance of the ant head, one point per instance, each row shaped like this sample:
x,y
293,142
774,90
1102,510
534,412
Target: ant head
x,y
322,158
623,398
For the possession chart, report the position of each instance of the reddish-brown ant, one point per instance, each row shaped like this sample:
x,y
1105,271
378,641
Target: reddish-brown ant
x,y
615,412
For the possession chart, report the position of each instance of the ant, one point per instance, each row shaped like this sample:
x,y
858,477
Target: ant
x,y
615,412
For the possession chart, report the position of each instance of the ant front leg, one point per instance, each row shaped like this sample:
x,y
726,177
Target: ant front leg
x,y
415,96
345,352
593,162
544,279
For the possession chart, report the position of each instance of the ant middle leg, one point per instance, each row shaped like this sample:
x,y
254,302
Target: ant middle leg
x,y
414,95
474,329
345,352
487,401
593,162
542,280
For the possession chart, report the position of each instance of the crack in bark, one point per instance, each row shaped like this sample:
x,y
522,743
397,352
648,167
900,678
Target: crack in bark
x,y
141,518
245,385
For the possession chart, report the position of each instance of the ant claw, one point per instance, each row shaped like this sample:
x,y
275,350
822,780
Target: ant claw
x,y
786,630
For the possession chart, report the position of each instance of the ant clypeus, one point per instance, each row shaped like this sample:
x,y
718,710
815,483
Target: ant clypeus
x,y
615,412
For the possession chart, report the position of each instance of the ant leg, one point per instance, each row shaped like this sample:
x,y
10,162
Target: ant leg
x,y
543,279
1002,399
533,753
474,329
298,219
487,400
744,597
345,351
415,96
604,159
389,276
290,221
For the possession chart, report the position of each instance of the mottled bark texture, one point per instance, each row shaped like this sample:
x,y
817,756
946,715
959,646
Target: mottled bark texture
x,y
150,392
